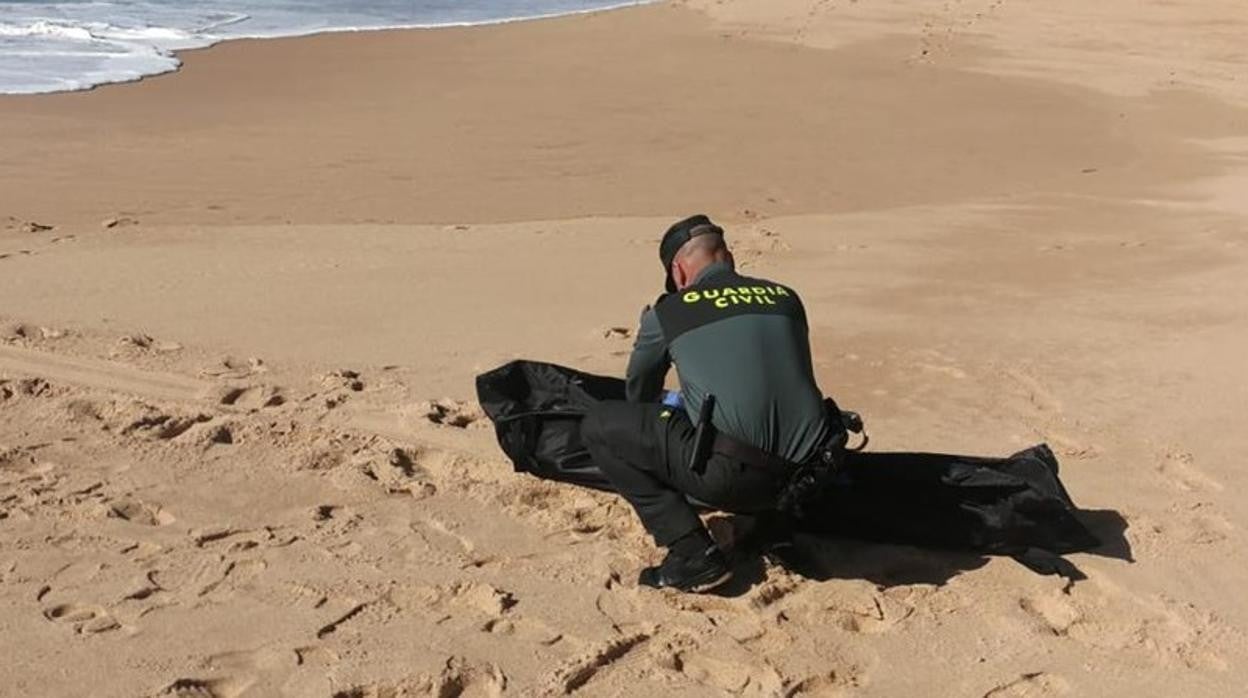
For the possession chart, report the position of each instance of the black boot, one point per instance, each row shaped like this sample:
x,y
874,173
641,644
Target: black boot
x,y
695,573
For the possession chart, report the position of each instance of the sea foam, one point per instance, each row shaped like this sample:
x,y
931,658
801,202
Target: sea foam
x,y
75,45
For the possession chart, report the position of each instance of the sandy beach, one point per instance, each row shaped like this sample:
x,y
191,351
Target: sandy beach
x,y
242,306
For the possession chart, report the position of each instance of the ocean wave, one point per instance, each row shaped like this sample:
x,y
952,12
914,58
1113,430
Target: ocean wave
x,y
95,32
59,46
46,29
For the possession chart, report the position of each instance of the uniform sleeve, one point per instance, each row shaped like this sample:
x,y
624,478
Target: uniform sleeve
x,y
801,309
648,364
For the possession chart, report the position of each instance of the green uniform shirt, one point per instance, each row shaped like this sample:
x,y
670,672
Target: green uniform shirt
x,y
757,366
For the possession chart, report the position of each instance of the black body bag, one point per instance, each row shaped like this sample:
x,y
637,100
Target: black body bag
x,y
995,505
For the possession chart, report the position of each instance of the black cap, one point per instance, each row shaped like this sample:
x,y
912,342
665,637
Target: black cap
x,y
676,237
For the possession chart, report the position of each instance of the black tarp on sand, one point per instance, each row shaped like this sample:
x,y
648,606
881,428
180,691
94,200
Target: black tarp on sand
x,y
990,505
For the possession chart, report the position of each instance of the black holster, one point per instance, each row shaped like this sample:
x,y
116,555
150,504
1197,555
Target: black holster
x,y
816,473
704,436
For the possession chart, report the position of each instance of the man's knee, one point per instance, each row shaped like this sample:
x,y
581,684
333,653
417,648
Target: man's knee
x,y
609,433
596,427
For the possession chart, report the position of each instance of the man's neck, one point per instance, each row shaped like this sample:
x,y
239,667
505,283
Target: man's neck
x,y
711,270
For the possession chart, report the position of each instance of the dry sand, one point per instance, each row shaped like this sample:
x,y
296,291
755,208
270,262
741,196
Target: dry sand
x,y
238,451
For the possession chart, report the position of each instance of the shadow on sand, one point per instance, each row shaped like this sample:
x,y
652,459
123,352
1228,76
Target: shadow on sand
x,y
821,558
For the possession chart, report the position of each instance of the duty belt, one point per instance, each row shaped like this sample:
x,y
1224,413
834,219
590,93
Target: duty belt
x,y
805,479
849,422
751,455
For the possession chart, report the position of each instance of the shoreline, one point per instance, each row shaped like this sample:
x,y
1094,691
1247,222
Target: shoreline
x,y
177,54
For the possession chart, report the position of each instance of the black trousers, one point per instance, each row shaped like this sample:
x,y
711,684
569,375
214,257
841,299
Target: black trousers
x,y
644,449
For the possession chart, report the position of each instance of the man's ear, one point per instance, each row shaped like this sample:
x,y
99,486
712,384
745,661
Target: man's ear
x,y
678,274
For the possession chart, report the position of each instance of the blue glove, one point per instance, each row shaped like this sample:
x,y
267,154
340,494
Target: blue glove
x,y
673,399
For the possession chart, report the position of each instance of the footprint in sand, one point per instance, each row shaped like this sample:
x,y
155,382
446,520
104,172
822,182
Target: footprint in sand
x,y
587,515
135,511
345,379
453,413
22,331
420,686
1195,524
143,589
525,630
230,368
472,601
833,683
25,226
404,471
1179,467
121,221
235,540
773,591
1031,685
256,672
143,343
1054,613
487,599
376,612
26,387
1206,527
84,619
235,575
197,688
736,675
458,679
578,671
250,397
15,455
882,616
462,679
1158,629
395,471
855,607
216,435
163,427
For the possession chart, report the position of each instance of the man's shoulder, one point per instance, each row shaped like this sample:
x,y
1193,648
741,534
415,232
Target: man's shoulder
x,y
648,325
650,308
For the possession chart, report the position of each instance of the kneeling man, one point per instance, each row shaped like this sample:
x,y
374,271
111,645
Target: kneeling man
x,y
742,352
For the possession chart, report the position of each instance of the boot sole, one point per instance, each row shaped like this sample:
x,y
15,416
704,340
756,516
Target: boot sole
x,y
701,587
